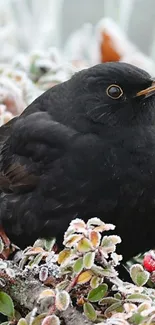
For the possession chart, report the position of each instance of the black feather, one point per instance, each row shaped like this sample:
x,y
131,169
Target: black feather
x,y
77,152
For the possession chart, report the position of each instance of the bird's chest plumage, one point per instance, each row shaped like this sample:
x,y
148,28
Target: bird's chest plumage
x,y
120,174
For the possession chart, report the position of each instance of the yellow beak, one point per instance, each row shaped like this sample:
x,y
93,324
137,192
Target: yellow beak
x,y
148,91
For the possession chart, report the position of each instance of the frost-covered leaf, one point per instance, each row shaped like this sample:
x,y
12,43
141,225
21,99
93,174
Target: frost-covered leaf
x,y
105,227
46,293
30,263
138,298
1,245
62,300
2,283
136,319
51,258
67,269
23,262
108,301
89,311
64,256
49,243
37,259
84,277
22,321
77,225
39,243
88,260
117,295
72,240
34,251
98,270
98,293
78,265
99,225
147,312
116,258
109,243
95,238
51,320
144,306
114,308
84,245
138,275
95,281
38,320
10,272
63,285
43,273
3,265
108,271
6,305
95,222
129,307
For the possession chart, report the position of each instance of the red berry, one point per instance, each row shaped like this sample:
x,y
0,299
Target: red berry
x,y
149,262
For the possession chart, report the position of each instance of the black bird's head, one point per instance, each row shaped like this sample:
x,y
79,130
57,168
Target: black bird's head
x,y
115,94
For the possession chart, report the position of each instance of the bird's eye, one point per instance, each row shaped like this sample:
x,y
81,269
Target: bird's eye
x,y
114,91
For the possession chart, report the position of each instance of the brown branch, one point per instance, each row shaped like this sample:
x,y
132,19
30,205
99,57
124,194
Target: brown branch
x,y
25,289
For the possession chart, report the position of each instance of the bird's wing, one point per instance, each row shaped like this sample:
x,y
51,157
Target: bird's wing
x,y
27,145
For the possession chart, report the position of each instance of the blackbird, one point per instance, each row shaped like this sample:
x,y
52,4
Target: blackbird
x,y
84,148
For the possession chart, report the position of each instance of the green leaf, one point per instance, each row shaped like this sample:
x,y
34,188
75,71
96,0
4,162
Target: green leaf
x,y
88,260
5,323
108,272
37,259
22,321
98,270
95,281
138,298
38,320
108,301
143,306
138,275
49,243
89,311
98,293
39,243
136,319
78,265
84,245
117,295
62,285
117,307
6,305
110,241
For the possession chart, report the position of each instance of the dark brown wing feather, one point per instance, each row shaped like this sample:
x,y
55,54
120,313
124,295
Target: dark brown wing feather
x,y
27,145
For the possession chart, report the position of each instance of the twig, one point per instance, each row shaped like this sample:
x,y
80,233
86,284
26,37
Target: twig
x,y
24,290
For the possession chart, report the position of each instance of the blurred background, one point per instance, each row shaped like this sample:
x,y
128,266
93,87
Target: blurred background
x,y
43,42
